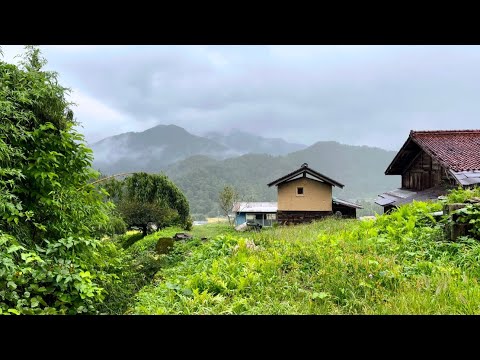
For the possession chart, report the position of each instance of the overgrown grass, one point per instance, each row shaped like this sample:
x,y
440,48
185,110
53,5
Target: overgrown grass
x,y
149,241
139,244
211,230
396,264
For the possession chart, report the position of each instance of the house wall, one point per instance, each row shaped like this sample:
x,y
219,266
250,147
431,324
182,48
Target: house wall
x,y
240,218
424,172
317,196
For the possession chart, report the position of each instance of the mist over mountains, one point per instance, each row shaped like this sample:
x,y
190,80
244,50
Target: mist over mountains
x,y
244,143
152,150
202,165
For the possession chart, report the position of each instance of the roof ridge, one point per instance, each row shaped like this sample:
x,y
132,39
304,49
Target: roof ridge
x,y
414,132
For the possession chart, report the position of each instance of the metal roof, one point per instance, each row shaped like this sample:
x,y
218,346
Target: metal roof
x,y
304,169
467,177
257,207
346,203
392,198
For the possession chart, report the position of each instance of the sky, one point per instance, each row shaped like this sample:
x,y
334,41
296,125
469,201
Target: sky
x,y
354,94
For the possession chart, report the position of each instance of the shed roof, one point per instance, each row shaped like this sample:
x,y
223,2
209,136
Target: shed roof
x,y
466,178
304,170
338,201
257,207
403,196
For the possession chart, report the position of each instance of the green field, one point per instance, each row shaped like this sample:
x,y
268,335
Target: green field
x,y
396,264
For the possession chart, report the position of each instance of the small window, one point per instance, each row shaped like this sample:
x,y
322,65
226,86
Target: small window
x,y
250,217
271,216
300,191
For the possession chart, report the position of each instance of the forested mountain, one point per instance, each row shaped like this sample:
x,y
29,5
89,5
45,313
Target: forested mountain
x,y
359,168
152,149
201,166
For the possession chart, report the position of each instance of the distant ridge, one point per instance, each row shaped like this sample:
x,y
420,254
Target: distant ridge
x,y
201,166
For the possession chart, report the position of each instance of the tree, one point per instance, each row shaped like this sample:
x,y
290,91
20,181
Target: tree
x,y
227,197
149,198
141,214
49,213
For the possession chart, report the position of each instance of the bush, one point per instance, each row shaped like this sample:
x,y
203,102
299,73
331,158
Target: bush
x,y
56,278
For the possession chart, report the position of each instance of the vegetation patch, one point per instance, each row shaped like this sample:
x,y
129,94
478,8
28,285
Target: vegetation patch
x,y
399,263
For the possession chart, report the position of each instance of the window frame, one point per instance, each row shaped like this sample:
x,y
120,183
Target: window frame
x,y
303,191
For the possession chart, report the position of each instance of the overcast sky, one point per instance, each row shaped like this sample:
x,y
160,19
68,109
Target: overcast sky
x,y
360,95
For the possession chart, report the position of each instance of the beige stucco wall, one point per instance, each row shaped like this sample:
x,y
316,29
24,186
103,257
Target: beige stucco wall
x,y
317,196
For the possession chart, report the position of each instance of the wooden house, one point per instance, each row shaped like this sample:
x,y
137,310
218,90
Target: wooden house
x,y
430,163
305,195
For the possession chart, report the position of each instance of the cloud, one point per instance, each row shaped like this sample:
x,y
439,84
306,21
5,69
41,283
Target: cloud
x,y
97,119
369,95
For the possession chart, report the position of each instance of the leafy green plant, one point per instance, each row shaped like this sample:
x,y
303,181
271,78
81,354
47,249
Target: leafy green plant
x,y
399,263
460,195
50,214
470,214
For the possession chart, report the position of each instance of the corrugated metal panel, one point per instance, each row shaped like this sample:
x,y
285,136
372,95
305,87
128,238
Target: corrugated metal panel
x,y
259,207
467,177
470,181
401,193
346,203
474,174
458,175
384,201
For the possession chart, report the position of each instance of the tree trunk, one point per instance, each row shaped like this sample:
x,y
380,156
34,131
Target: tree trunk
x,y
144,230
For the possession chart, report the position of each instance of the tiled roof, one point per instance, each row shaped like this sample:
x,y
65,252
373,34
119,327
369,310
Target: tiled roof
x,y
459,150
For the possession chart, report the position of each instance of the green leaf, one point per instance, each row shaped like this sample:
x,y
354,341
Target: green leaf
x,y
14,311
14,248
320,295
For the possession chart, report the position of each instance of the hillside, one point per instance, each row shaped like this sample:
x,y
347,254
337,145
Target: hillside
x,y
201,166
359,168
155,148
151,150
243,143
400,263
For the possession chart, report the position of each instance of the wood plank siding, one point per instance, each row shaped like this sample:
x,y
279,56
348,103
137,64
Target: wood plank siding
x,y
300,217
424,172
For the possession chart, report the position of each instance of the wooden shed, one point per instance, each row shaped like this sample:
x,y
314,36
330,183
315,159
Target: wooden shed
x,y
430,163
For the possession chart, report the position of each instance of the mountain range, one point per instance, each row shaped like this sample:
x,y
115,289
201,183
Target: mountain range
x,y
155,148
202,165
